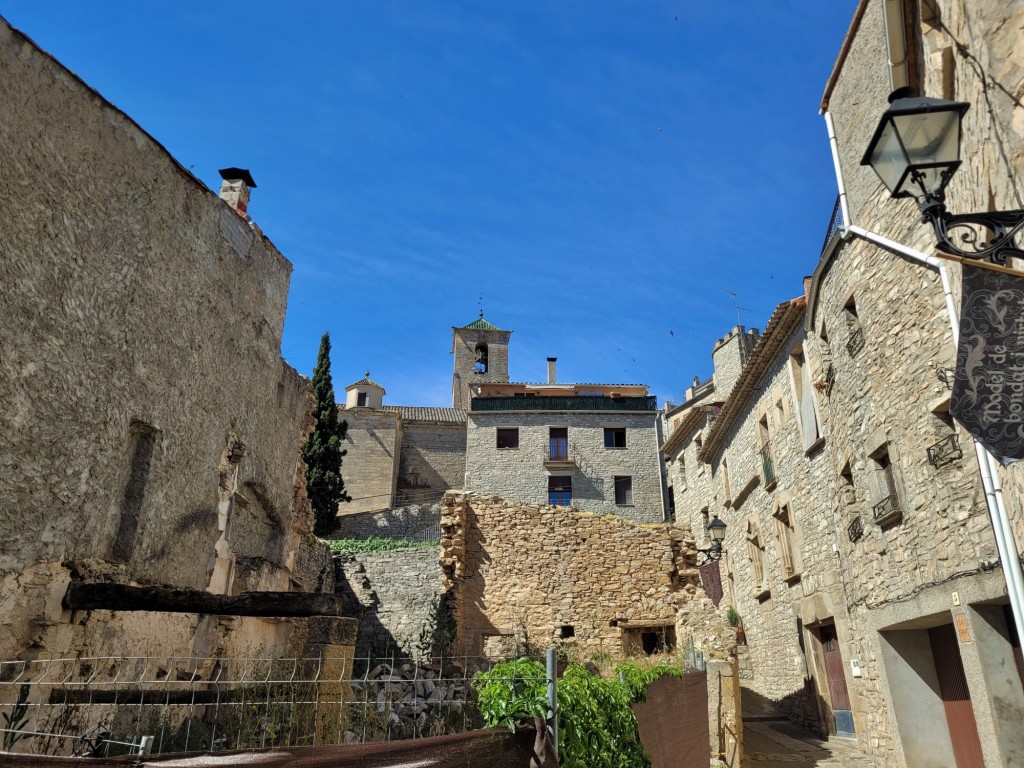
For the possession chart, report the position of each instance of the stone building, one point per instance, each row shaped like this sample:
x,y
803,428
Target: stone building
x,y
859,550
149,429
594,446
589,446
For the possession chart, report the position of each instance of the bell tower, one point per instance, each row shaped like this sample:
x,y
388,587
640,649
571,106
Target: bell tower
x,y
481,355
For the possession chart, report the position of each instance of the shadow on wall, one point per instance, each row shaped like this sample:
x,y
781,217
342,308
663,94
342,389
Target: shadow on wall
x,y
800,706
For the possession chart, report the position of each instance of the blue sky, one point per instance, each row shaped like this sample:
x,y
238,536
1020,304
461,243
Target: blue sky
x,y
603,173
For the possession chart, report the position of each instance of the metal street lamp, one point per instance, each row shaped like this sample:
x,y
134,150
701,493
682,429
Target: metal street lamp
x,y
717,529
915,151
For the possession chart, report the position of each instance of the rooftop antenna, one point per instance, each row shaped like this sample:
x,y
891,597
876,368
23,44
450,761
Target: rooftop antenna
x,y
736,305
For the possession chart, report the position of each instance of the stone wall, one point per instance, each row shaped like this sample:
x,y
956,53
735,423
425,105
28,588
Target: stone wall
x,y
146,416
543,575
395,594
370,468
433,457
397,523
519,474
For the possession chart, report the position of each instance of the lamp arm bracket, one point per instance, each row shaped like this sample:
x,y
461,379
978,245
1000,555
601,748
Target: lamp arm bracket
x,y
988,235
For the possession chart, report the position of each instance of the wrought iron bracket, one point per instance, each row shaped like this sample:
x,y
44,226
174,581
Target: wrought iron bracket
x,y
709,555
964,234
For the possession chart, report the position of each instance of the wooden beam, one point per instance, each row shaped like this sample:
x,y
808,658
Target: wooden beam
x,y
86,596
979,263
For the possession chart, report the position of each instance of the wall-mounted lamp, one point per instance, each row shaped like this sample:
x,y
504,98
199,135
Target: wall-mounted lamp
x,y
717,530
915,151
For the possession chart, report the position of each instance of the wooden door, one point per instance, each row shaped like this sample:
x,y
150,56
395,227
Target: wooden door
x,y
835,674
956,699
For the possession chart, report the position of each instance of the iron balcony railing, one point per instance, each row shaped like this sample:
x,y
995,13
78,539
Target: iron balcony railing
x,y
887,510
855,530
834,223
579,403
946,451
767,463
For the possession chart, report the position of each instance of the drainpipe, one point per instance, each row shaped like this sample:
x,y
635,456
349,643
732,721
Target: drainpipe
x,y
988,465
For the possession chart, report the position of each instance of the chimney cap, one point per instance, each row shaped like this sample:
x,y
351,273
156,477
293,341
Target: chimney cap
x,y
236,174
552,359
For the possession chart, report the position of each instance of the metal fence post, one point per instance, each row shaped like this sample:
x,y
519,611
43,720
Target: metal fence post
x,y
553,699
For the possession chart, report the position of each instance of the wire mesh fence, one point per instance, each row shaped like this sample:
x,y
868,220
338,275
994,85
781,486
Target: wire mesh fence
x,y
106,705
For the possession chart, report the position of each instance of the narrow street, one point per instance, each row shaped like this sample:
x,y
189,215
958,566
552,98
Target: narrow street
x,y
771,740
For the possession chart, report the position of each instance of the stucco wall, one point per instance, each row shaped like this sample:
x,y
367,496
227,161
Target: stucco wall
x,y
519,474
138,307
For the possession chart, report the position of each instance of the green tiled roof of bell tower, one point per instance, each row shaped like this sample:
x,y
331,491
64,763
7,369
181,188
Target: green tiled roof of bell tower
x,y
481,325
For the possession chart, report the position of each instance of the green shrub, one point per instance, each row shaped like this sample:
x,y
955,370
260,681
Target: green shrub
x,y
512,692
376,544
596,725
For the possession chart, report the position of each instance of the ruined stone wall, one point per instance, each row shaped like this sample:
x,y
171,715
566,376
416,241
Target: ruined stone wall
x,y
397,523
395,594
144,400
542,575
519,474
433,458
370,468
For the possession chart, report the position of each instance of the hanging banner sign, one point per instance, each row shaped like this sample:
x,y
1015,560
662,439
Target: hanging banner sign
x,y
711,580
988,391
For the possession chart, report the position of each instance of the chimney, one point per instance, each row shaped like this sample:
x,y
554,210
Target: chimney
x,y
234,190
551,369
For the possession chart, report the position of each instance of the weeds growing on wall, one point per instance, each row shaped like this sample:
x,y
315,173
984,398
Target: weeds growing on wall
x,y
597,727
376,544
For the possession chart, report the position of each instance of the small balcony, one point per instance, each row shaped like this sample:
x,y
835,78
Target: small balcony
x,y
767,465
557,455
887,512
946,451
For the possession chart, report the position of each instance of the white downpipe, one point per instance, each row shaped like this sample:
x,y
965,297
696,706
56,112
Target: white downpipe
x,y
988,465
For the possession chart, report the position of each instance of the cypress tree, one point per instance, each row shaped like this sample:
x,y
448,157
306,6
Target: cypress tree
x,y
323,451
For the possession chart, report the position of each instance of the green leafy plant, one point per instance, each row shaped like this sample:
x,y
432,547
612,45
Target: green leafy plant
x,y
597,727
16,720
733,617
376,544
636,678
512,692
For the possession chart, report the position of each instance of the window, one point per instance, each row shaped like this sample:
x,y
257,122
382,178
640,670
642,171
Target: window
x,y
624,491
614,437
567,631
144,438
806,406
725,481
755,553
855,333
559,444
560,490
887,509
767,460
648,640
508,437
480,358
785,532
361,399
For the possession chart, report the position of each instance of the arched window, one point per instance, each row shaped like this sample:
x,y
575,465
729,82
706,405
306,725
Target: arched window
x,y
480,364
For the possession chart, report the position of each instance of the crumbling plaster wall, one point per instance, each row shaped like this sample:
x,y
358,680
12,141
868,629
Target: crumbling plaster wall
x,y
523,572
136,303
